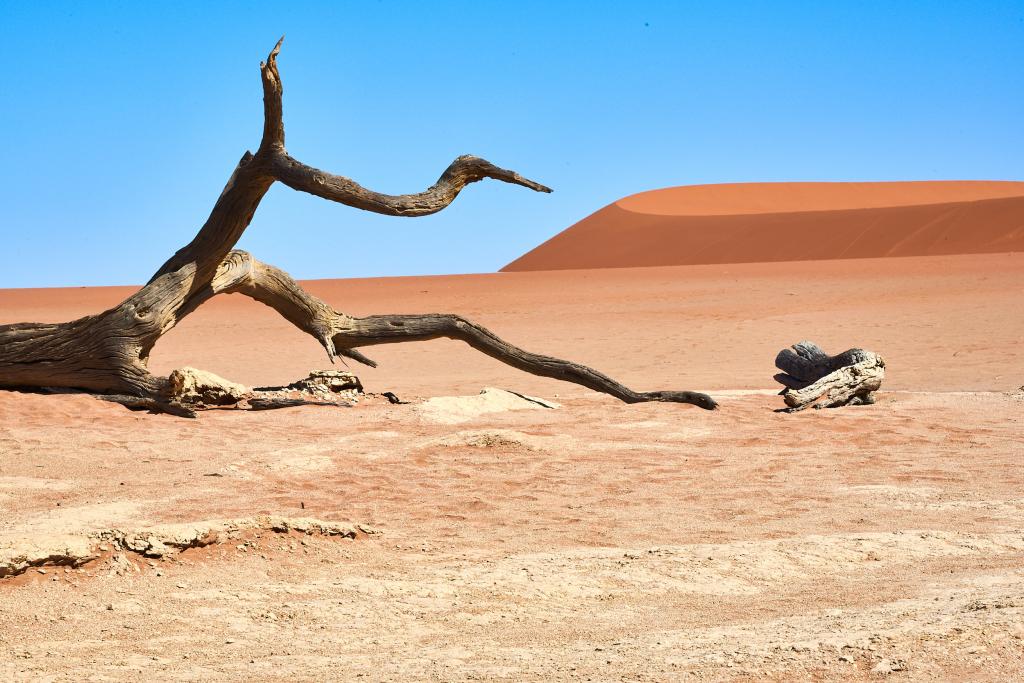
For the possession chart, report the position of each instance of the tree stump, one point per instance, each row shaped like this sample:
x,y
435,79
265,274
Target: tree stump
x,y
811,377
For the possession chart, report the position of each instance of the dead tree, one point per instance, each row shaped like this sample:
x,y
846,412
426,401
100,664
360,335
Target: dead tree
x,y
107,353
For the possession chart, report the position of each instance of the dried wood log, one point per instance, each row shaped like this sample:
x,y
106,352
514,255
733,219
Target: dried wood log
x,y
191,390
107,354
813,378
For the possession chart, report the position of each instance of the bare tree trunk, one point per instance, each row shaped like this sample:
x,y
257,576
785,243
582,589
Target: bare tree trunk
x,y
107,353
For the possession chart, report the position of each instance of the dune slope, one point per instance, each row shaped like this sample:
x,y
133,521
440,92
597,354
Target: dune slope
x,y
756,222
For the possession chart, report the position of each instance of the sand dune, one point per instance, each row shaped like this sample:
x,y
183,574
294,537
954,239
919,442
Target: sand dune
x,y
757,222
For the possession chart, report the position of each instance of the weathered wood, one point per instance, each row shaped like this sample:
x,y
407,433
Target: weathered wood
x,y
805,363
813,378
108,353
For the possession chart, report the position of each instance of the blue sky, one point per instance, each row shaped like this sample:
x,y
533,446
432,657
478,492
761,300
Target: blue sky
x,y
122,121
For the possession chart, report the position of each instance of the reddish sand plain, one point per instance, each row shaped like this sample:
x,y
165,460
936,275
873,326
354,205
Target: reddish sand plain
x,y
757,222
595,541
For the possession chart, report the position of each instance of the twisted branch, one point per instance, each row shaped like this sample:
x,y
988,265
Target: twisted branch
x,y
461,172
274,160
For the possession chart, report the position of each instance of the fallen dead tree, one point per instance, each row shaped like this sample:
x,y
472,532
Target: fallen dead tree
x,y
813,378
107,353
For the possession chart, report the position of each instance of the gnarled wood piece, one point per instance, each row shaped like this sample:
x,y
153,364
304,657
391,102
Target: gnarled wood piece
x,y
813,378
806,363
108,353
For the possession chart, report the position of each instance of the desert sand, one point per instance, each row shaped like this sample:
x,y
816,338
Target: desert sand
x,y
593,541
757,222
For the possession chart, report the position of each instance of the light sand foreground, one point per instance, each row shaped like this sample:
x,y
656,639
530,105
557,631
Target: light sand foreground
x,y
595,541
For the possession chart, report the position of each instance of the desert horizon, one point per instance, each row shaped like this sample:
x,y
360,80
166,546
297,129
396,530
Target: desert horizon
x,y
694,429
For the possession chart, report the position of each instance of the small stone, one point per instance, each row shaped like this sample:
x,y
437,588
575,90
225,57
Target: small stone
x,y
883,667
41,571
846,658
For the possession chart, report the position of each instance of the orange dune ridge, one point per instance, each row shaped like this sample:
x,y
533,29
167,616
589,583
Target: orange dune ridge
x,y
757,222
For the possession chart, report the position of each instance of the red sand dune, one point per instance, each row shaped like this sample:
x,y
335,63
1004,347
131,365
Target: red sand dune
x,y
757,222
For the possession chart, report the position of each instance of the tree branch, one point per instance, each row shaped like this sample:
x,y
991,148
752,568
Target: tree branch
x,y
273,112
341,334
463,171
390,329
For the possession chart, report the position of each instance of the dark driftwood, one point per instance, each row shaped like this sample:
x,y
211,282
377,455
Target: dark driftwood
x,y
814,378
107,353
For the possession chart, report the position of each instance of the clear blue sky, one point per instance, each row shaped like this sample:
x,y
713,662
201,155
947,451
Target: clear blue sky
x,y
122,121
